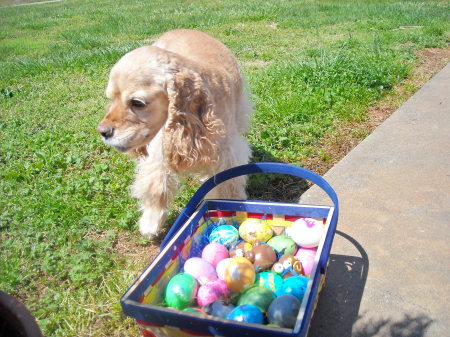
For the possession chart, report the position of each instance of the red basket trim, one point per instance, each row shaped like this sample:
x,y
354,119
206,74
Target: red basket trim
x,y
260,216
146,333
195,333
161,273
221,214
148,323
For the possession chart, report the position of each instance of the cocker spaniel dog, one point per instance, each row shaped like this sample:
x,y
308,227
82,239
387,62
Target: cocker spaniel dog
x,y
180,108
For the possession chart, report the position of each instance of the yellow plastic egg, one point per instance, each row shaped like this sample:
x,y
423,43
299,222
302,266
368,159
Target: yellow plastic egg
x,y
239,274
254,229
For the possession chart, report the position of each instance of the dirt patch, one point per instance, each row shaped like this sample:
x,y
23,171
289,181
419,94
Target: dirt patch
x,y
334,147
19,2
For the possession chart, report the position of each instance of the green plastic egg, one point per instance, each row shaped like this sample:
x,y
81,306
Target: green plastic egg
x,y
283,245
181,291
258,296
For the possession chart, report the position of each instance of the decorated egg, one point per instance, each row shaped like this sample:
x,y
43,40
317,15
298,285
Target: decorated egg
x,y
283,244
255,229
220,268
219,309
283,311
196,311
295,285
306,232
270,280
264,256
211,291
242,249
180,291
239,274
259,296
214,253
202,270
246,313
287,266
225,235
306,257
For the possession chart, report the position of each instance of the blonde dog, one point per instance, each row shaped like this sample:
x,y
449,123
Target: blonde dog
x,y
180,108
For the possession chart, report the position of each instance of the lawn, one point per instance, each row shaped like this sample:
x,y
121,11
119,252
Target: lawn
x,y
69,244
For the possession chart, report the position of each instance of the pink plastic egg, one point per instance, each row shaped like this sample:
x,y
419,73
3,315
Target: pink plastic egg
x,y
214,253
211,291
306,257
202,270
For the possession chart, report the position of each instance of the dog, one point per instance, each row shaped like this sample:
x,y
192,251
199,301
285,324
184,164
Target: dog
x,y
180,108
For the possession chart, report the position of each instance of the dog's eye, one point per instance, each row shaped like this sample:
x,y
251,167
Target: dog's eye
x,y
137,103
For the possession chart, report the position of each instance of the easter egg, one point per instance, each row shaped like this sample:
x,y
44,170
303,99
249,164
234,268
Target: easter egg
x,y
264,256
246,313
270,280
225,235
239,274
283,311
219,309
202,270
259,296
214,253
283,244
295,285
196,311
254,229
211,291
180,291
220,268
306,232
306,257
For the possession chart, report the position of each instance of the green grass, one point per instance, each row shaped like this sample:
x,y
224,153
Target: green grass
x,y
65,203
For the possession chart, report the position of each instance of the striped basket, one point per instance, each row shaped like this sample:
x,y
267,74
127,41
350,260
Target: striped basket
x,y
143,300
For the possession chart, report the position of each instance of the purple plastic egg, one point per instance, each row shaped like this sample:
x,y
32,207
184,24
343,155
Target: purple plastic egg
x,y
214,253
202,270
211,291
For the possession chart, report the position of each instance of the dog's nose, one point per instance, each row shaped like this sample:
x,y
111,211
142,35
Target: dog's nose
x,y
105,130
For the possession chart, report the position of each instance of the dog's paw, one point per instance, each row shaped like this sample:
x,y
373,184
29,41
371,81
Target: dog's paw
x,y
150,221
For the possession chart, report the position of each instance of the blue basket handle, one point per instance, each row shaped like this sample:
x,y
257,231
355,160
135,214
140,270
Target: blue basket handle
x,y
252,168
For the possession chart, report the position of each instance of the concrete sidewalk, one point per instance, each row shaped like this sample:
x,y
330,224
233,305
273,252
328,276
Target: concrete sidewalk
x,y
389,273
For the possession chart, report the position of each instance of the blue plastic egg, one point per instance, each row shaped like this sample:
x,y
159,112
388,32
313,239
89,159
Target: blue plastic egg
x,y
226,235
219,309
283,311
294,285
247,313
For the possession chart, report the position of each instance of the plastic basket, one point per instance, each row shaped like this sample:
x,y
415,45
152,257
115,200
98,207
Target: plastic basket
x,y
142,298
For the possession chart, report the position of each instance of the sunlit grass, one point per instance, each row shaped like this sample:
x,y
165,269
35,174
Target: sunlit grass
x,y
65,204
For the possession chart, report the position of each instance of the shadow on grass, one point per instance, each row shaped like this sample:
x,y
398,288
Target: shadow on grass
x,y
273,187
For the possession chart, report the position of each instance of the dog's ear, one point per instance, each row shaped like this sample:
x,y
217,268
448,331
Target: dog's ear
x,y
192,127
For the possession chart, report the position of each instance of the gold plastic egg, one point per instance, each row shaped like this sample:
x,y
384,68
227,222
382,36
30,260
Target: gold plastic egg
x,y
254,229
239,274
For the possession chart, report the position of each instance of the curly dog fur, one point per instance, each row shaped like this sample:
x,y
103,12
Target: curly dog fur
x,y
180,108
